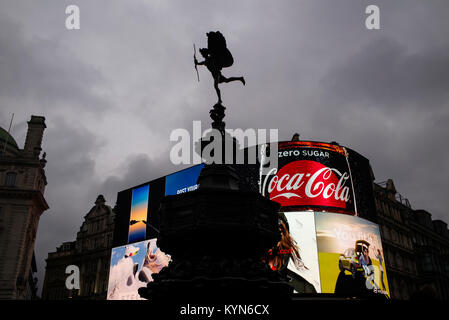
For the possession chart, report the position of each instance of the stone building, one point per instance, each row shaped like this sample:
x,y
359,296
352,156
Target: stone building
x,y
431,245
392,216
22,186
90,252
416,249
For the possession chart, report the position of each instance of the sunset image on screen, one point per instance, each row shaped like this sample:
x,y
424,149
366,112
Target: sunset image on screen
x,y
139,210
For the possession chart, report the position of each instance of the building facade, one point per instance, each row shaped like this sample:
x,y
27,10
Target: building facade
x,y
416,249
22,187
431,245
90,252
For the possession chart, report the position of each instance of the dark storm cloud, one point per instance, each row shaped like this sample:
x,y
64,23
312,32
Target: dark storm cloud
x,y
70,166
406,96
135,170
387,75
42,69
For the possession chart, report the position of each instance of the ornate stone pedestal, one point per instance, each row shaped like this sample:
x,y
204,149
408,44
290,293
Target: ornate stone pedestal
x,y
217,236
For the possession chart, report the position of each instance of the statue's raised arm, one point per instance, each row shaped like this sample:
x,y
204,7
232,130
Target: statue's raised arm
x,y
216,57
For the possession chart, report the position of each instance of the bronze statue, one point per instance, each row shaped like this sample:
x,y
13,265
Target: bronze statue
x,y
216,57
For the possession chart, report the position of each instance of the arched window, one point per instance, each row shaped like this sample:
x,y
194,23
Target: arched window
x,y
10,179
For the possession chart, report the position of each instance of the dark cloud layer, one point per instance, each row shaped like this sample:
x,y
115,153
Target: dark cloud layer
x,y
42,69
390,77
114,90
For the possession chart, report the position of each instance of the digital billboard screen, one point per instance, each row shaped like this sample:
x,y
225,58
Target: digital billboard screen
x,y
132,267
310,175
350,255
137,216
301,227
183,181
322,252
139,213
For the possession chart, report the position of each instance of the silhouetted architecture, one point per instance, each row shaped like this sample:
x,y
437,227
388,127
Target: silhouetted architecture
x,y
392,216
217,236
431,246
416,249
22,186
91,252
31,288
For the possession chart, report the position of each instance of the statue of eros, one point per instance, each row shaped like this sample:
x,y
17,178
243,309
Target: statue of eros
x,y
216,57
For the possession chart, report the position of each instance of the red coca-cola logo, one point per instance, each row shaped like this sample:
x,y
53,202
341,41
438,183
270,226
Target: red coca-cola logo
x,y
308,183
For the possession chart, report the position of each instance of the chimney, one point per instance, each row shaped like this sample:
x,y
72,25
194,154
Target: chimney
x,y
295,137
33,141
391,189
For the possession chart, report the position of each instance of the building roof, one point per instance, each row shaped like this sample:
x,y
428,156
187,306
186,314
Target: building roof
x,y
5,136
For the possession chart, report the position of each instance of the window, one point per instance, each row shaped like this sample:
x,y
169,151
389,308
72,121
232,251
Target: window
x,y
414,269
397,214
394,235
389,257
404,240
378,207
406,264
385,232
384,208
10,179
426,262
108,241
399,261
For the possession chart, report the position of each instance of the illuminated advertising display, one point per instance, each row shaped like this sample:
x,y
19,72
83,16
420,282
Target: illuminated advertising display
x,y
138,215
301,227
350,255
132,267
324,252
183,181
311,175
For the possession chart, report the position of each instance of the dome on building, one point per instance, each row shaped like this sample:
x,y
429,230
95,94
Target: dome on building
x,y
5,136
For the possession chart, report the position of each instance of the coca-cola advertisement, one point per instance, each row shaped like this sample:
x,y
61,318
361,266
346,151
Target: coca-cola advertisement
x,y
311,175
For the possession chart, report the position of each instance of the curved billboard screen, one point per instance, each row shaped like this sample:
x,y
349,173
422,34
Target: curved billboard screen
x,y
323,252
350,255
311,175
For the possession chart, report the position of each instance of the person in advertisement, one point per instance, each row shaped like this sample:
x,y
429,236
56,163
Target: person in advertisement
x,y
361,268
378,256
286,250
364,261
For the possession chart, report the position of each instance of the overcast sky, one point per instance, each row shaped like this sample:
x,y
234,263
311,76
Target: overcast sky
x,y
113,91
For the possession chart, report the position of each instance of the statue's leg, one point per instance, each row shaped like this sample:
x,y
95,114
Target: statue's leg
x,y
224,79
216,81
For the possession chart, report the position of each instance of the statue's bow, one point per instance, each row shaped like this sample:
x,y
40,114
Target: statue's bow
x,y
194,61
